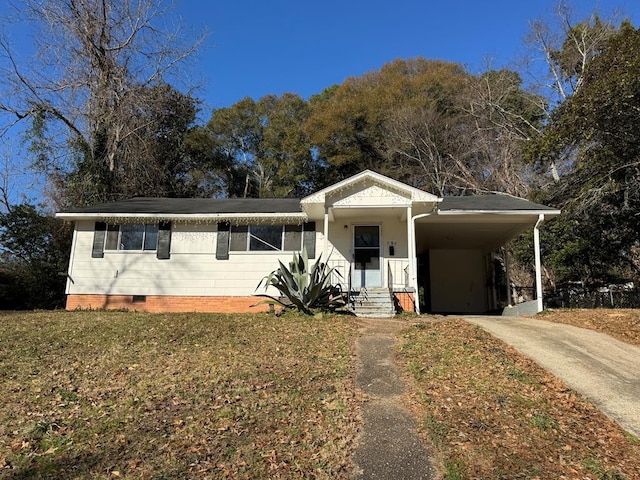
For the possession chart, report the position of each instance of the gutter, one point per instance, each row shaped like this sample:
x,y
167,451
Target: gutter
x,y
194,217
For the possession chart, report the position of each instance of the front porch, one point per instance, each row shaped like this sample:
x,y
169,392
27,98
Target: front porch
x,y
432,255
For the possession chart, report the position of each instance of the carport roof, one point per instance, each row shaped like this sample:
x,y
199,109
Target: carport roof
x,y
491,203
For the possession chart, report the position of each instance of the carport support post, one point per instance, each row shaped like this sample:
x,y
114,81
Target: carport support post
x,y
536,246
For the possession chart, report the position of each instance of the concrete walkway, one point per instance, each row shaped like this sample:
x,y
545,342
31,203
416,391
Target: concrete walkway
x,y
388,447
603,369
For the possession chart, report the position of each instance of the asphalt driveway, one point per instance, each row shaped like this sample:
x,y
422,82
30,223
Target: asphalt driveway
x,y
604,369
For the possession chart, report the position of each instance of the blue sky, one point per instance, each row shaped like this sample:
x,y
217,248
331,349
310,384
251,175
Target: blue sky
x,y
260,47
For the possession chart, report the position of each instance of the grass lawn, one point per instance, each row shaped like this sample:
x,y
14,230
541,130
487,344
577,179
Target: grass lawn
x,y
131,395
493,414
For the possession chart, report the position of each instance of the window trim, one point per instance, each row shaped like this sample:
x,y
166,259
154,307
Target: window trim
x,y
248,236
111,227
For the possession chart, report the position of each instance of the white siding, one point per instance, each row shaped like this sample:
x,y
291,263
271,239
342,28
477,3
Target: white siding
x,y
191,270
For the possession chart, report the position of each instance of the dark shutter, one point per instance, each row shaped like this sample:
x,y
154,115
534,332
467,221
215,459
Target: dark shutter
x,y
163,251
99,233
222,247
309,239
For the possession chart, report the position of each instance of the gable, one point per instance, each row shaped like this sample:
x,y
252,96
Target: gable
x,y
371,196
364,181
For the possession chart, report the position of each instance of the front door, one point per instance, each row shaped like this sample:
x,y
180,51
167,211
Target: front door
x,y
367,271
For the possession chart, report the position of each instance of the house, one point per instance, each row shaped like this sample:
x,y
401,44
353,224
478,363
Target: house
x,y
426,253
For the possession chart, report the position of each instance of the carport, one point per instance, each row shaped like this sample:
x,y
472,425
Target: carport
x,y
455,249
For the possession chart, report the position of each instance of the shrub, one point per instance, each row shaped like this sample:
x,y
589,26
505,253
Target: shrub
x,y
302,287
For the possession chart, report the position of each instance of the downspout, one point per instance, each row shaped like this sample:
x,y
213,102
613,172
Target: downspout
x,y
325,248
410,249
536,246
413,267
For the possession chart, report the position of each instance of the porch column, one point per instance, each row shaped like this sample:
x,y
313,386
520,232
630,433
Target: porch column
x,y
411,253
536,246
325,248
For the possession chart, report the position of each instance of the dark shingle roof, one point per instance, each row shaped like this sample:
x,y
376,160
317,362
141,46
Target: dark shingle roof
x,y
490,203
195,206
190,206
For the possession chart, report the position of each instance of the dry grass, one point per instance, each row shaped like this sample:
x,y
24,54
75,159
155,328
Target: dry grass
x,y
493,414
129,395
623,324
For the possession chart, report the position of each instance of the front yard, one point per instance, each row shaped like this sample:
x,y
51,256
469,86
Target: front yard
x,y
129,395
493,414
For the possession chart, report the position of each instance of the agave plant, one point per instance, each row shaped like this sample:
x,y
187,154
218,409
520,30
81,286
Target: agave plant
x,y
304,288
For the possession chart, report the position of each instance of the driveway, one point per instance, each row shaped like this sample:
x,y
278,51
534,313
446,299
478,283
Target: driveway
x,y
604,369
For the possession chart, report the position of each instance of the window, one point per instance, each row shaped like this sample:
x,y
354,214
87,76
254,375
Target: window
x,y
134,237
265,238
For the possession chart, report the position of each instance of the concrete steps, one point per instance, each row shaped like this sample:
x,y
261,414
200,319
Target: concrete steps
x,y
373,303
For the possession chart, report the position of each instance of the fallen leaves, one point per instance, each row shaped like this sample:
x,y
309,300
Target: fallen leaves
x,y
623,324
175,396
492,413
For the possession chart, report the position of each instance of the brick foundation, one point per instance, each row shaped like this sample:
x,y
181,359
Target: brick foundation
x,y
405,300
158,303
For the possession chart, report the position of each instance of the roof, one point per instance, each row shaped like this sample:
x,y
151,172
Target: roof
x,y
285,208
190,206
192,209
491,203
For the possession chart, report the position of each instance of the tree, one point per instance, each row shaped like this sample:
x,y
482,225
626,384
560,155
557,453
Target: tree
x,y
34,252
430,124
100,68
567,47
501,119
596,128
266,151
349,123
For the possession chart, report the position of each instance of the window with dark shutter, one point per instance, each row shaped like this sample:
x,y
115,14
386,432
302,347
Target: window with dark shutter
x,y
222,246
164,241
99,233
309,238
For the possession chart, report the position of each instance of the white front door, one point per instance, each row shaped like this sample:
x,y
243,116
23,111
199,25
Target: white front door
x,y
367,265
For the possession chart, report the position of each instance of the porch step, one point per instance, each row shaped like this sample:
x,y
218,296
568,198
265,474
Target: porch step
x,y
373,303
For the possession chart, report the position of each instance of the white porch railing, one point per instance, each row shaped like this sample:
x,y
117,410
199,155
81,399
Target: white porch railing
x,y
397,274
344,268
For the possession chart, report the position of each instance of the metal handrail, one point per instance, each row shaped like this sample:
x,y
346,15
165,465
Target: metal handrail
x,y
349,294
